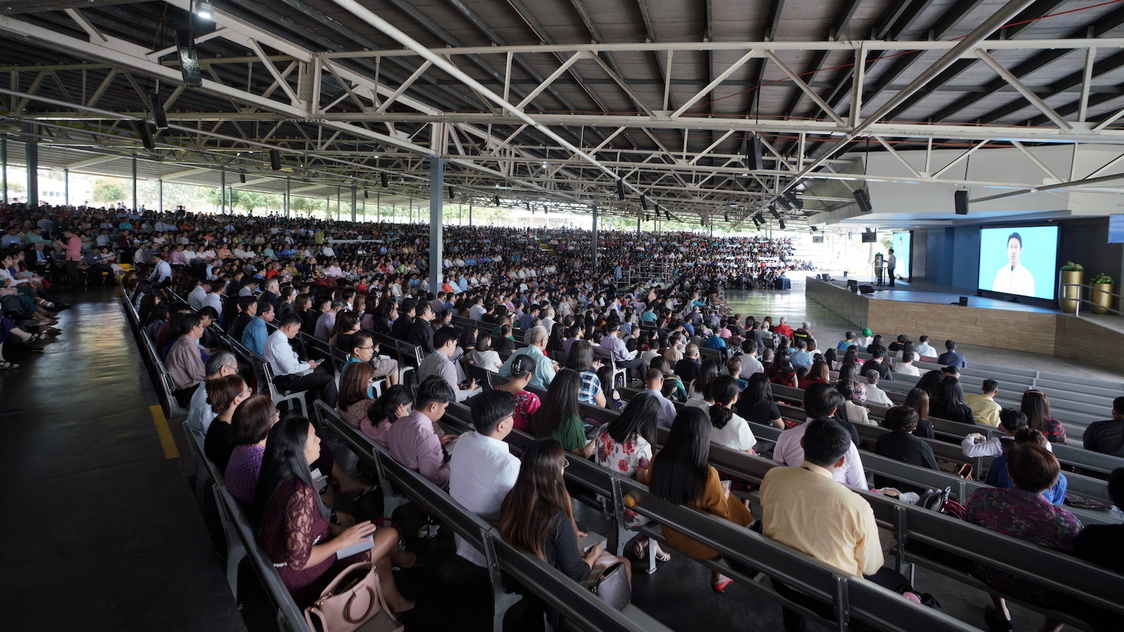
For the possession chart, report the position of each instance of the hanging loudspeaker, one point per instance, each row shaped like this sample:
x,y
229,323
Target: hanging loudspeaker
x,y
620,189
145,133
275,160
961,199
384,180
189,60
862,198
756,160
158,111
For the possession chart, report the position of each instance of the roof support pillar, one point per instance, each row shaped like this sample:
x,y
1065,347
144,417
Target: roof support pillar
x,y
135,206
593,241
436,212
32,154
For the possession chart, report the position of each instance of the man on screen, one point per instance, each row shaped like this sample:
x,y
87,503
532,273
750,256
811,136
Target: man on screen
x,y
1013,278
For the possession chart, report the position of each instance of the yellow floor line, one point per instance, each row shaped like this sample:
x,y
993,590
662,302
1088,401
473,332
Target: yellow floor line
x,y
167,443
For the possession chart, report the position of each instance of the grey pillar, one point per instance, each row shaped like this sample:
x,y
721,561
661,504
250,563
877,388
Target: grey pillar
x,y
353,203
66,186
222,190
4,166
328,208
339,202
470,213
288,195
593,241
393,213
411,215
134,163
436,210
32,153
638,220
160,195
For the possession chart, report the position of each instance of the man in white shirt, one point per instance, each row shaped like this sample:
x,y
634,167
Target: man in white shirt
x,y
196,296
290,374
653,384
1014,278
476,312
875,395
748,358
924,349
905,367
162,275
482,469
440,363
789,449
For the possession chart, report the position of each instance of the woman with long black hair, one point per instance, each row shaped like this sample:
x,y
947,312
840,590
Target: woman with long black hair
x,y
681,475
294,526
559,416
537,515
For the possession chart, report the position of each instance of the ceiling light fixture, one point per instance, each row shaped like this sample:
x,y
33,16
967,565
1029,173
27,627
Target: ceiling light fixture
x,y
204,10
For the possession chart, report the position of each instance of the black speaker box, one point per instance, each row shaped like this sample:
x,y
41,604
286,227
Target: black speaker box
x,y
963,301
866,289
961,199
275,160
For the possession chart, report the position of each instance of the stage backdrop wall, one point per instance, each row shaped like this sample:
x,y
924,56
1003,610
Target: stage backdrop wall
x,y
952,255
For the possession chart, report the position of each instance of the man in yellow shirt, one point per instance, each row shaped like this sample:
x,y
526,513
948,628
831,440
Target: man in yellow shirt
x,y
806,509
984,408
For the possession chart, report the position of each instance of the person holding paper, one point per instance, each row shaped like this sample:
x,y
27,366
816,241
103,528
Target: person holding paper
x,y
295,527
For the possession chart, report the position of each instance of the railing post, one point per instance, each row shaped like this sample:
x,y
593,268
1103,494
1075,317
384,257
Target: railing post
x,y
842,604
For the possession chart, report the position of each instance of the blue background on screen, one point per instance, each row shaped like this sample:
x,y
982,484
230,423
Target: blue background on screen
x,y
1116,229
1039,256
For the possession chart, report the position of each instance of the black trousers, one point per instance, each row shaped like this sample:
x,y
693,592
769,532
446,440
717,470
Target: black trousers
x,y
319,384
795,622
72,273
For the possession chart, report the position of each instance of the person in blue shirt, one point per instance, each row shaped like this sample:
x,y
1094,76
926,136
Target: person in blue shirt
x,y
714,341
997,473
256,333
800,356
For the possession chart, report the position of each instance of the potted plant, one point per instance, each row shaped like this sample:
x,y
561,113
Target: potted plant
x,y
1101,293
1072,275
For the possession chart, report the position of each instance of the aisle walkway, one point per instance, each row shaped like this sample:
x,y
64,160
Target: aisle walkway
x,y
100,529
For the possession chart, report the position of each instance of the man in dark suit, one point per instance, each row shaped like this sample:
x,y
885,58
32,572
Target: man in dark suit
x,y
1107,437
421,333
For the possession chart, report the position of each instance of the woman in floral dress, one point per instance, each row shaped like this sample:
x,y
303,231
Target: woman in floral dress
x,y
625,446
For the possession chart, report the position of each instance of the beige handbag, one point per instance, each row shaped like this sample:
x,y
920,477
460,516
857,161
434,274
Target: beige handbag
x,y
353,601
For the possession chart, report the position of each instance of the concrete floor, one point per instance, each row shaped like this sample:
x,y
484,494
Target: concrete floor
x,y
103,533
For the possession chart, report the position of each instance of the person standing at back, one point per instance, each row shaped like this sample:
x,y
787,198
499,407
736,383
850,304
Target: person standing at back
x,y
891,263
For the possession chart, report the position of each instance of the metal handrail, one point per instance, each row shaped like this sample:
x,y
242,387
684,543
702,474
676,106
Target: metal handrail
x,y
1079,299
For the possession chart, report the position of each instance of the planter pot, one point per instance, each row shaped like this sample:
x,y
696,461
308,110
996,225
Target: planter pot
x,y
1101,297
1070,295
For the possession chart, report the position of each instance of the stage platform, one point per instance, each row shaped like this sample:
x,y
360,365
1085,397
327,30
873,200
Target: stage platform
x,y
986,322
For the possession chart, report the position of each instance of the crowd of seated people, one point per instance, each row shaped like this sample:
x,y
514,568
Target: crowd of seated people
x,y
526,307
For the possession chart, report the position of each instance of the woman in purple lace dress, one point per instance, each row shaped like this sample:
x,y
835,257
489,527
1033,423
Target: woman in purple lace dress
x,y
295,529
1023,512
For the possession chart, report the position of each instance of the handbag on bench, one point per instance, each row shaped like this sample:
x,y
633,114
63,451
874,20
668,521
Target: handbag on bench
x,y
353,601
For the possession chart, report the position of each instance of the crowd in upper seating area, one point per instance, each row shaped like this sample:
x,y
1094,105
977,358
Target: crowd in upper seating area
x,y
555,335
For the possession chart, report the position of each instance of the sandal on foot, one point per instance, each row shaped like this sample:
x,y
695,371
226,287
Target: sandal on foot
x,y
663,556
638,550
8,366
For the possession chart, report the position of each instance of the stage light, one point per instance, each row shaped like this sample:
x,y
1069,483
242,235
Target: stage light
x,y
774,213
782,224
204,10
794,201
783,201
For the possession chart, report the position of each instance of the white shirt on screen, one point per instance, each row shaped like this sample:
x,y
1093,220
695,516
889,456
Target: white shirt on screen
x,y
1016,280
